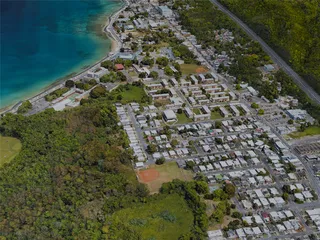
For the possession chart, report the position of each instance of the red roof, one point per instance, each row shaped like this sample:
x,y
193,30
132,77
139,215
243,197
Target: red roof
x,y
119,66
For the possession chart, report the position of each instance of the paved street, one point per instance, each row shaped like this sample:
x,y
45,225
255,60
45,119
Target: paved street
x,y
139,133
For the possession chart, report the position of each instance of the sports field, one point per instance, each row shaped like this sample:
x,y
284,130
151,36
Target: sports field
x,y
192,69
9,148
156,175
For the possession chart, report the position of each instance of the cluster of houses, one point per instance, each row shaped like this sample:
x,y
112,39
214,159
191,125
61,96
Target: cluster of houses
x,y
300,192
225,143
274,222
148,120
221,162
199,129
314,216
235,109
261,198
163,92
280,163
134,142
243,178
198,114
165,149
284,109
205,89
262,225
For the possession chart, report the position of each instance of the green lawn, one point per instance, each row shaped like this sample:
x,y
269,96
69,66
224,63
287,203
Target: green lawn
x,y
164,218
196,111
56,94
310,131
132,94
133,74
182,118
192,69
9,148
172,169
215,115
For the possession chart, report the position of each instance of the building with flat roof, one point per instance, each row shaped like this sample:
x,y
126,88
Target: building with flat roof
x,y
252,91
224,112
297,114
169,115
234,110
206,110
97,73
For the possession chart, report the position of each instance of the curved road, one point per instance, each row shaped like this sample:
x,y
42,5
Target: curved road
x,y
275,57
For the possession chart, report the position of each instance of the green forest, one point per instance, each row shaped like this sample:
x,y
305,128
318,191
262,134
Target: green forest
x,y
291,27
74,173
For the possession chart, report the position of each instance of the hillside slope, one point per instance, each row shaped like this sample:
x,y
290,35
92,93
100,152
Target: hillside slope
x,y
291,27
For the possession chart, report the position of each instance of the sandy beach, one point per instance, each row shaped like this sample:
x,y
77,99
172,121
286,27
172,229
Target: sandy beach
x,y
114,45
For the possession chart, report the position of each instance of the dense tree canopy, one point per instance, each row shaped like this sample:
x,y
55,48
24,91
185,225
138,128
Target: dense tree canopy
x,y
292,26
73,172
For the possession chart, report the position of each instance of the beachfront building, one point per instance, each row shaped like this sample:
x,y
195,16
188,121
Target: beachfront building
x,y
97,73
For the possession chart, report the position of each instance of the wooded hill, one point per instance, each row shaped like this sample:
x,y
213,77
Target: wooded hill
x,y
291,27
73,173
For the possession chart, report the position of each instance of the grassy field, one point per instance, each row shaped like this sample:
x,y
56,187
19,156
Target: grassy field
x,y
192,69
310,131
134,94
182,118
165,219
9,148
133,74
167,172
196,111
215,115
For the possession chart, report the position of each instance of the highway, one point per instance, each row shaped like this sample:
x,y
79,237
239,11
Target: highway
x,y
274,56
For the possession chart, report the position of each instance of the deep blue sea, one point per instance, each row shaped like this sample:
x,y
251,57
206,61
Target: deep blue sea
x,y
44,40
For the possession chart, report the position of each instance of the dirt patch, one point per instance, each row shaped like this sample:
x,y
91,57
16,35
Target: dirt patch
x,y
148,175
201,70
156,175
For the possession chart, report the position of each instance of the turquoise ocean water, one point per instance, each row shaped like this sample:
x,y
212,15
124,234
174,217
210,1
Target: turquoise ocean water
x,y
44,40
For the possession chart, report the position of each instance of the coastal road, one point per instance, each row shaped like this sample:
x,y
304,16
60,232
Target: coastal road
x,y
275,57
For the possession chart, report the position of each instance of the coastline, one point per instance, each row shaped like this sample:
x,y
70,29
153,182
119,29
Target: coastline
x,y
115,46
